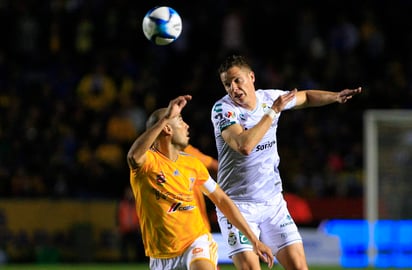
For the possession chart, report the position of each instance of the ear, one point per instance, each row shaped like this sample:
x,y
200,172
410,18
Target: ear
x,y
252,76
168,129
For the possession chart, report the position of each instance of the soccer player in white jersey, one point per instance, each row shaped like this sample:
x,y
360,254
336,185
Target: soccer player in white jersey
x,y
245,122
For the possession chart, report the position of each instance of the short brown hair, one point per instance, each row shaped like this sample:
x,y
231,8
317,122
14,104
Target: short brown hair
x,y
233,60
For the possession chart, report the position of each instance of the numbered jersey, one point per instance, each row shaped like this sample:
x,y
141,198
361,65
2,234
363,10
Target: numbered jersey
x,y
252,178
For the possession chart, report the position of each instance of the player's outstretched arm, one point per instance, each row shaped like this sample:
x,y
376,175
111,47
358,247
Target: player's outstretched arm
x,y
230,210
316,98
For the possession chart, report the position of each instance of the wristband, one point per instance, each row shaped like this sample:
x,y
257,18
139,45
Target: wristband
x,y
271,113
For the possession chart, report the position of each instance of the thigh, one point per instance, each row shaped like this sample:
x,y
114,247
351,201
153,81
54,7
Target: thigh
x,y
292,257
202,254
279,229
246,260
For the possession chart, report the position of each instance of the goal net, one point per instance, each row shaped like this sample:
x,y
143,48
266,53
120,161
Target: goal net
x,y
388,167
388,137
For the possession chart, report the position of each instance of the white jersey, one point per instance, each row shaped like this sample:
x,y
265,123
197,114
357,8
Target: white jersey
x,y
252,178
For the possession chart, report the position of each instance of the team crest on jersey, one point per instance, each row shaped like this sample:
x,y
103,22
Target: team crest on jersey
x,y
232,239
264,106
230,114
192,181
160,178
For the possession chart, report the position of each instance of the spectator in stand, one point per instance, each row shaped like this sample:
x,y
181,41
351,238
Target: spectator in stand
x,y
97,90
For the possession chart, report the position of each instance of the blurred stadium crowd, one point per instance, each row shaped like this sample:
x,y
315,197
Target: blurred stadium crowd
x,y
78,79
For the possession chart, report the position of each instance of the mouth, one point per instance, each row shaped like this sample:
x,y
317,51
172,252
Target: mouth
x,y
238,96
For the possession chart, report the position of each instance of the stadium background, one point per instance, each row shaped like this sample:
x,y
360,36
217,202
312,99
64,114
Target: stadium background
x,y
78,79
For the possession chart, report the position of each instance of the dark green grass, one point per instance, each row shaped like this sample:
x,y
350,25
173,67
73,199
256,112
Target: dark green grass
x,y
131,267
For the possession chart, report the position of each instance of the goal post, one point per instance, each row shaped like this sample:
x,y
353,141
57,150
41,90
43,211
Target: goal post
x,y
388,169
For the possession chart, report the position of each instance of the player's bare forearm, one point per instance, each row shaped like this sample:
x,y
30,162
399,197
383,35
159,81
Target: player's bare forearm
x,y
244,141
230,210
136,154
235,217
317,98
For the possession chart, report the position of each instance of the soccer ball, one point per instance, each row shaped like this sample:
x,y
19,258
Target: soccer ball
x,y
162,25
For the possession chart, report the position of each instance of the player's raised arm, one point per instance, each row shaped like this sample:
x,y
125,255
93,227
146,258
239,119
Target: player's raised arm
x,y
154,126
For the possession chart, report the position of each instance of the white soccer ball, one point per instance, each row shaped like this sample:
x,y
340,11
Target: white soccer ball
x,y
162,25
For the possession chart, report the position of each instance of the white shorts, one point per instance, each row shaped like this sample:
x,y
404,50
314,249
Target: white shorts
x,y
203,248
270,221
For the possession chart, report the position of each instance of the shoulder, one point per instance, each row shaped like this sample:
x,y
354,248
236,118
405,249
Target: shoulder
x,y
270,93
223,100
185,154
224,107
151,160
192,160
189,157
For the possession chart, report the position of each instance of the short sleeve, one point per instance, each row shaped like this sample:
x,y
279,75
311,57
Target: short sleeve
x,y
224,115
209,186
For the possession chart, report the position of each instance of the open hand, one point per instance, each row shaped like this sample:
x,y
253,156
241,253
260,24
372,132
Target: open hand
x,y
347,94
264,253
176,105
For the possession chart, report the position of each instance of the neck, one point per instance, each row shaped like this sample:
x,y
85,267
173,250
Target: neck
x,y
250,103
167,152
249,106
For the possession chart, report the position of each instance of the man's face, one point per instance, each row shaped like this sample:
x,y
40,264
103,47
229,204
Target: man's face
x,y
180,136
239,84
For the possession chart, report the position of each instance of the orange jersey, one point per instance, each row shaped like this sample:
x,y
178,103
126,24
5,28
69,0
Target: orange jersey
x,y
170,218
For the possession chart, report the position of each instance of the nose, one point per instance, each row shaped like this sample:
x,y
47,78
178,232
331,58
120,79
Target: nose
x,y
231,87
